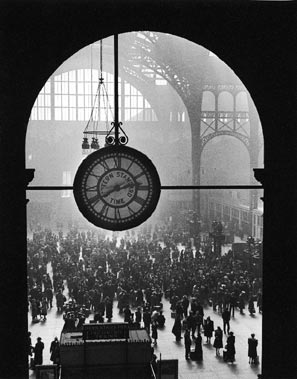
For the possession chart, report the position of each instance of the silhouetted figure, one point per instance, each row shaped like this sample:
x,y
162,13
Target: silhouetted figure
x,y
232,304
252,351
188,342
229,355
208,329
154,332
98,317
197,355
138,316
218,342
226,320
55,351
259,301
127,314
251,306
161,319
192,323
38,349
177,327
241,301
147,320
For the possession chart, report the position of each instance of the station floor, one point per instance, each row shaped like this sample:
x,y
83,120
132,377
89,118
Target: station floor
x,y
211,367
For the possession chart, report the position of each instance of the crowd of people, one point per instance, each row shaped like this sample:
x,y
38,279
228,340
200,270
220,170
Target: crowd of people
x,y
138,270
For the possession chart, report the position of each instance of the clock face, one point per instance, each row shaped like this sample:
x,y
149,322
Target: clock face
x,y
116,188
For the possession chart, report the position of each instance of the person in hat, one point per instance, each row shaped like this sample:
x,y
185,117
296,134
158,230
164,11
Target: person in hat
x,y
188,342
38,350
251,306
231,347
226,320
218,342
241,301
252,350
198,353
192,323
154,332
161,319
208,329
138,316
177,327
55,351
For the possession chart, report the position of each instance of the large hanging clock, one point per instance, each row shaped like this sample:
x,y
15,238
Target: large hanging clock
x,y
117,187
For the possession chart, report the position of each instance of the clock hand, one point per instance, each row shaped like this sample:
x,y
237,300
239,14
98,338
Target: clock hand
x,y
129,185
118,188
126,186
113,188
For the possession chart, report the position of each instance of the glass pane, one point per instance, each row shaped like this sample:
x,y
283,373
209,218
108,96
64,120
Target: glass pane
x,y
41,114
208,101
88,87
65,88
72,88
80,88
65,101
47,100
72,114
242,102
47,114
58,87
58,100
225,101
58,114
127,102
65,114
140,102
72,76
87,75
65,76
72,101
80,101
81,115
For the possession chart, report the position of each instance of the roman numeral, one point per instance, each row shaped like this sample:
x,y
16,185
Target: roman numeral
x,y
95,200
131,212
92,188
130,165
96,176
104,165
142,188
117,162
104,210
117,213
139,200
139,175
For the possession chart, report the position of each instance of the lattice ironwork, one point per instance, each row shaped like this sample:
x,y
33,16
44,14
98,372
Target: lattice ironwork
x,y
212,122
216,88
147,50
218,133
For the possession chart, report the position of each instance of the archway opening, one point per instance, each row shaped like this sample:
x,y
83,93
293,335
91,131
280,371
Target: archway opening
x,y
184,108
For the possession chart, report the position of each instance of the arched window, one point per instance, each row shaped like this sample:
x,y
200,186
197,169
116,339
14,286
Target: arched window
x,y
73,95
